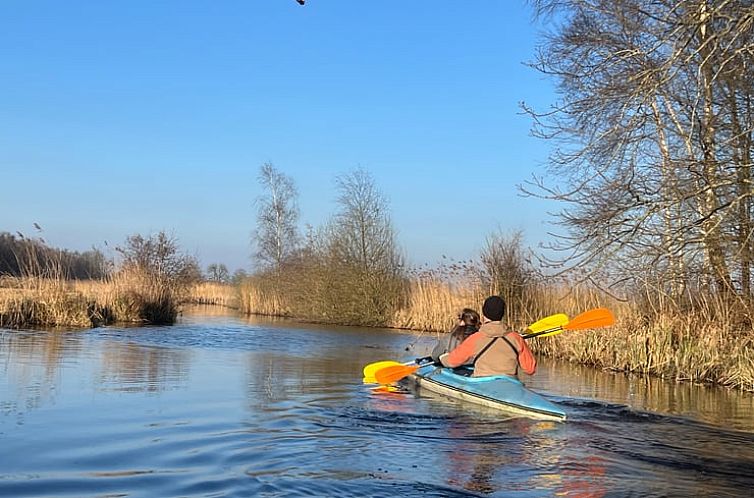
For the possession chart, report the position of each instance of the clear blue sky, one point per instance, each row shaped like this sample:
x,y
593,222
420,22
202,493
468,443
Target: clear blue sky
x,y
132,117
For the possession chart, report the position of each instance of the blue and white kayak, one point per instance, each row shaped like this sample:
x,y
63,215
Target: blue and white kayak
x,y
500,391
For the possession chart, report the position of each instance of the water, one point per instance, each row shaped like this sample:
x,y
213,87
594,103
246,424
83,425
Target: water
x,y
225,406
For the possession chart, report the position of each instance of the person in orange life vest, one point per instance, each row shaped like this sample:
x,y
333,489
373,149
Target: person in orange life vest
x,y
493,349
468,323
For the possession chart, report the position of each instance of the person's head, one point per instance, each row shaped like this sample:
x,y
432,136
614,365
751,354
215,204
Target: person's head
x,y
494,308
469,318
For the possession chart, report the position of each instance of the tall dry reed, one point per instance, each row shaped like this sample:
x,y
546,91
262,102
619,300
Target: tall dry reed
x,y
433,304
213,293
710,342
258,297
126,296
32,301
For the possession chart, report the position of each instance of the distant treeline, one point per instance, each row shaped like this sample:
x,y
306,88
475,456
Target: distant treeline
x,y
22,256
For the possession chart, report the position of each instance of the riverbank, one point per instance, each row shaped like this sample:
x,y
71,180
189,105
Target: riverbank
x,y
701,346
128,297
707,342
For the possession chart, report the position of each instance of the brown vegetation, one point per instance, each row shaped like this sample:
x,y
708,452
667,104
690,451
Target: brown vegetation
x,y
705,341
214,293
152,281
347,272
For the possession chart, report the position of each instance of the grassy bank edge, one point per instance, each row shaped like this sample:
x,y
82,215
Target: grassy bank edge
x,y
709,343
702,345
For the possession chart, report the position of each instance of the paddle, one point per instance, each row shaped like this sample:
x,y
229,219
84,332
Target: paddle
x,y
599,317
372,368
388,375
592,319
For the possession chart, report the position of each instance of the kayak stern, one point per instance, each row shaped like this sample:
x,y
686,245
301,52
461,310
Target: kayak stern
x,y
499,392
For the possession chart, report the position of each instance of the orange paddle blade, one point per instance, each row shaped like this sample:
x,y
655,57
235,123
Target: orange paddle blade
x,y
394,373
599,317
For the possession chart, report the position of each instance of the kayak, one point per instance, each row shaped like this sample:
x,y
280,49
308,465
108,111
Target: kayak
x,y
499,391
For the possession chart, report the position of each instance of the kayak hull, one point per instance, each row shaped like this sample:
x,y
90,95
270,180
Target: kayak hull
x,y
499,392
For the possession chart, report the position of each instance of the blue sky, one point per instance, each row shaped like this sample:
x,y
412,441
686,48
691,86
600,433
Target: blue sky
x,y
133,117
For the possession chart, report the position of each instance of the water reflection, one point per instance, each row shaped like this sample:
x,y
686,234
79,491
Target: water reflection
x,y
39,348
471,465
134,368
584,477
713,405
31,362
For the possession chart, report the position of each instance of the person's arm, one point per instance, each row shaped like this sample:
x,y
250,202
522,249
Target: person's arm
x,y
445,345
526,359
438,350
462,354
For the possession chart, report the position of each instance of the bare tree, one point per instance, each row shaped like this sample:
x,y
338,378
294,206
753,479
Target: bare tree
x,y
653,139
159,257
363,233
276,234
362,250
505,269
218,272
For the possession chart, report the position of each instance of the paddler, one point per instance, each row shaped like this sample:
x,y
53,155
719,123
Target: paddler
x,y
493,350
468,323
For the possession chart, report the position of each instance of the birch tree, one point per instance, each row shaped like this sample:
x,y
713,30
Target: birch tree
x,y
276,233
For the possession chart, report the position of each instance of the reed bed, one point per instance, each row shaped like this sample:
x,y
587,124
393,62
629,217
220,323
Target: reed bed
x,y
37,301
257,297
215,294
126,296
682,346
712,343
433,304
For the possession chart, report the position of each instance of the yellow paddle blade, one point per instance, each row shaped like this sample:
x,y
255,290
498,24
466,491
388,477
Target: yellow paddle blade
x,y
546,323
394,373
370,369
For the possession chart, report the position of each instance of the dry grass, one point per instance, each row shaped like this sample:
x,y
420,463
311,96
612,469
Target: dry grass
x,y
258,298
34,301
432,304
706,345
125,297
215,294
713,343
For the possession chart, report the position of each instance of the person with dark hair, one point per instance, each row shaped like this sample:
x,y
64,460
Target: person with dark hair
x,y
493,350
468,323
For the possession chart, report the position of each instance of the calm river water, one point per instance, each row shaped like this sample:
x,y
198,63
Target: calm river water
x,y
225,406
